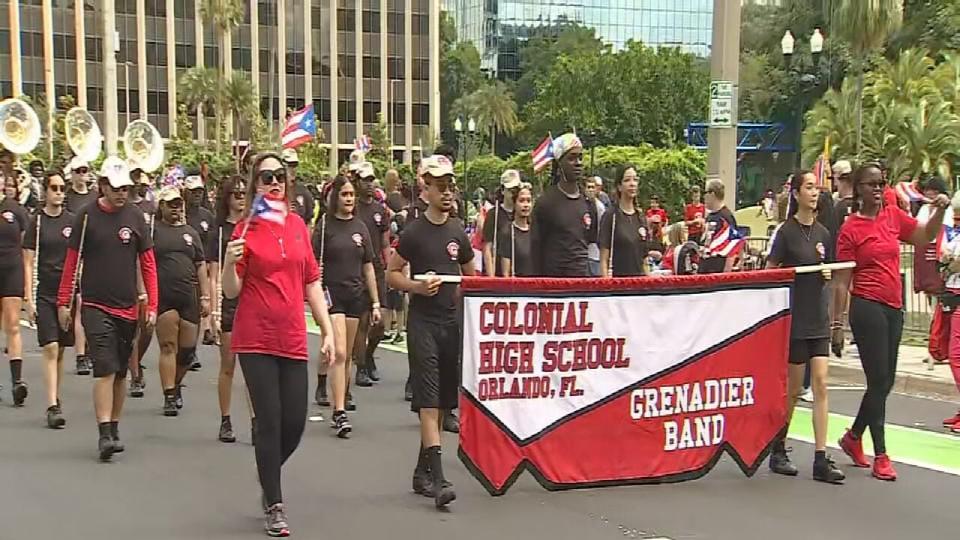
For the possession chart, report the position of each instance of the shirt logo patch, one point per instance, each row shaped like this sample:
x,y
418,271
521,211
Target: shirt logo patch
x,y
8,216
300,200
357,239
146,217
643,233
587,220
453,249
205,226
125,234
67,231
188,239
821,250
377,218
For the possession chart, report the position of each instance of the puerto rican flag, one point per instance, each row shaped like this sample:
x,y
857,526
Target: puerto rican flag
x,y
269,209
301,127
726,241
543,154
908,192
363,143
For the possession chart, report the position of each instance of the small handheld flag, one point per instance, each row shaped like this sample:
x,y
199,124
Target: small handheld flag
x,y
301,127
542,154
909,193
266,209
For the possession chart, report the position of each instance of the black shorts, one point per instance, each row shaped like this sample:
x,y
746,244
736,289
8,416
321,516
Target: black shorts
x,y
353,304
11,282
434,353
381,285
48,327
109,341
187,305
394,300
802,350
228,308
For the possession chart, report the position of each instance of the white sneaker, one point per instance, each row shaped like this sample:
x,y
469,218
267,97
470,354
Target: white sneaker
x,y
807,395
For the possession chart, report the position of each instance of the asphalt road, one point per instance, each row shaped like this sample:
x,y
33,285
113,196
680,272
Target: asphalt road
x,y
176,481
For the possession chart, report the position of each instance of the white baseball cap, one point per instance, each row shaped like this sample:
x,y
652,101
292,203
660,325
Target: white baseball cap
x,y
366,170
436,166
842,167
116,171
510,179
75,164
193,181
289,155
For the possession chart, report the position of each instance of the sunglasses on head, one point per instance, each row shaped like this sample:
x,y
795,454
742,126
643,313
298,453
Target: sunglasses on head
x,y
267,178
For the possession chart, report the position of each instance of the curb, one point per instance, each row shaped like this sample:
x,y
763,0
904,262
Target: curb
x,y
906,383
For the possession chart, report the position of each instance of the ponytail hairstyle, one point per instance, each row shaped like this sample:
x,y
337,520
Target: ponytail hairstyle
x,y
332,194
796,182
621,171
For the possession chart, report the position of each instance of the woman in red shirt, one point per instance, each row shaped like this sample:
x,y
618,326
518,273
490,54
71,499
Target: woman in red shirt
x,y
269,267
871,238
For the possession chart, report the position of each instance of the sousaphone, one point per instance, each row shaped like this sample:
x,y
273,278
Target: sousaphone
x,y
19,126
83,134
143,145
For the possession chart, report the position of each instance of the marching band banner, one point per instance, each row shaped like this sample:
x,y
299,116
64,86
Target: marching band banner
x,y
589,383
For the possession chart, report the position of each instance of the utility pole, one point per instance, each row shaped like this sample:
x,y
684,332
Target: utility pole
x,y
110,36
725,66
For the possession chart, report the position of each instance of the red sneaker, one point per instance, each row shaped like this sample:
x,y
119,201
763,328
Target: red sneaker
x,y
949,422
955,428
883,468
853,447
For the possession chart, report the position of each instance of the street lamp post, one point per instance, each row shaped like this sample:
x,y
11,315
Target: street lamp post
x,y
464,145
806,80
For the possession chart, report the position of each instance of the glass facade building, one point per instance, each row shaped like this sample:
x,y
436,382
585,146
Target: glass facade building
x,y
352,58
498,28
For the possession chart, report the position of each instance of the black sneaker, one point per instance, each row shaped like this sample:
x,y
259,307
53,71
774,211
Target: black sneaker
x,y
351,405
178,399
106,448
208,337
341,424
408,391
226,432
19,393
136,387
276,522
55,417
397,338
422,483
170,406
372,370
827,471
780,463
83,365
451,424
320,396
363,379
444,495
117,445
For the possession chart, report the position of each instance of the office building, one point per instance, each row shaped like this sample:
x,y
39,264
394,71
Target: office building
x,y
352,58
499,28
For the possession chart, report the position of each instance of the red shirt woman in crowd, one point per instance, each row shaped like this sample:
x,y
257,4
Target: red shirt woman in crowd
x,y
269,267
871,238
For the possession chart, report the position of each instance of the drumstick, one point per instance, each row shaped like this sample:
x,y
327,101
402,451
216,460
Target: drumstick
x,y
79,270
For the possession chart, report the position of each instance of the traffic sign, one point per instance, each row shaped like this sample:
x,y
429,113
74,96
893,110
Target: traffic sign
x,y
721,104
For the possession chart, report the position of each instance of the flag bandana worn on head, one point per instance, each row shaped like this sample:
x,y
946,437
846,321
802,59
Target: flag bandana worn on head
x,y
301,127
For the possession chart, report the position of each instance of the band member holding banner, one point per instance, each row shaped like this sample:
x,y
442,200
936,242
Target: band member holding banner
x,y
45,248
803,241
870,238
14,275
269,267
112,237
341,244
181,275
497,223
436,245
376,217
564,222
514,250
625,236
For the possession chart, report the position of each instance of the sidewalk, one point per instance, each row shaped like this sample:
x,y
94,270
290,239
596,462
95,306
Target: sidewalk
x,y
913,375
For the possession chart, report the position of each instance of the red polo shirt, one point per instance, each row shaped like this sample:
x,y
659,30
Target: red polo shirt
x,y
269,317
874,245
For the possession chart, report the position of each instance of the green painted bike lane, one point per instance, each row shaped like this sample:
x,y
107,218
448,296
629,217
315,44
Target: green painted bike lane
x,y
922,448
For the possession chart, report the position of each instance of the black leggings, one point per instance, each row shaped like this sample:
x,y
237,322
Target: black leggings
x,y
278,391
877,329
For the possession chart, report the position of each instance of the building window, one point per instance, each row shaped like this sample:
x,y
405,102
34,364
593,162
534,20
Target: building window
x,y
295,63
371,22
183,9
324,109
371,67
421,69
394,68
156,54
421,113
346,19
420,25
186,55
348,65
94,49
370,111
347,111
395,23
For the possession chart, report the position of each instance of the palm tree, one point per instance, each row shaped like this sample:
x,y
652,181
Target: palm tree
x,y
930,137
834,116
225,15
240,102
865,25
947,78
494,109
907,80
198,89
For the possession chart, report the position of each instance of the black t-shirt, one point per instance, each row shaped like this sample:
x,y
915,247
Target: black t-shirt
x,y
562,227
217,241
501,218
715,265
377,221
74,201
112,244
826,215
55,232
514,246
416,209
178,250
631,243
395,201
14,220
344,249
202,221
441,249
303,203
800,245
148,208
841,211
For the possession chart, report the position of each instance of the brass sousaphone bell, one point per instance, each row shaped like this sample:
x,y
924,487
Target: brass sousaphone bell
x,y
83,134
143,145
19,126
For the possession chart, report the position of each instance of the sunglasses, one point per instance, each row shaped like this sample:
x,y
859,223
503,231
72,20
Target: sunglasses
x,y
238,195
176,203
57,189
267,178
81,170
